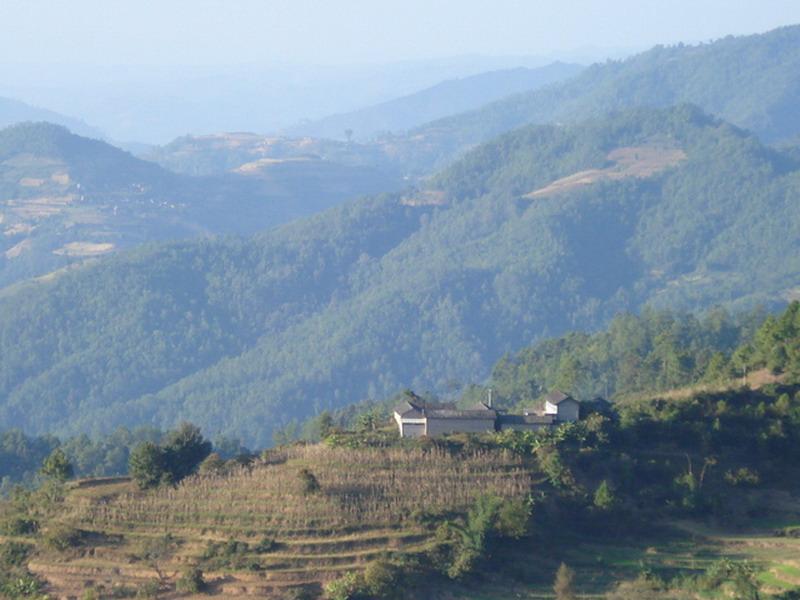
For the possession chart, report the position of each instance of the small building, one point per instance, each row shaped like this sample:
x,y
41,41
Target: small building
x,y
562,407
414,419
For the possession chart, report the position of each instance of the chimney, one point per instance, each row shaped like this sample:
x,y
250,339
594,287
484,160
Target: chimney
x,y
491,393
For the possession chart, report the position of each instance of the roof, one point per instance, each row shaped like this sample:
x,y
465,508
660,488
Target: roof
x,y
410,410
556,397
448,413
526,419
481,406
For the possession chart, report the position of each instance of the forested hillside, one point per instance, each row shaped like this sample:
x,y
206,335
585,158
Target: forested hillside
x,y
442,100
548,229
751,81
65,198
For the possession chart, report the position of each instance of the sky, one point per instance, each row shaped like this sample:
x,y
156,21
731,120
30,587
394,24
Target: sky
x,y
338,32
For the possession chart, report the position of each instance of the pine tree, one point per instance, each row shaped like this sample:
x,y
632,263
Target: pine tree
x,y
564,584
57,466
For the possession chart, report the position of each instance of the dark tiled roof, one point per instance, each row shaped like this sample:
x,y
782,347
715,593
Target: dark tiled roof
x,y
526,419
557,397
447,413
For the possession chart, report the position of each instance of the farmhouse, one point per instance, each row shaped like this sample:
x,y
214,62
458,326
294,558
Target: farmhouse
x,y
414,419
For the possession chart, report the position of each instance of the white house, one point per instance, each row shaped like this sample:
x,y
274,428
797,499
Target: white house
x,y
563,407
414,419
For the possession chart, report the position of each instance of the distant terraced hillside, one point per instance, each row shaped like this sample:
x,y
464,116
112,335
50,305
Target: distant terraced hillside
x,y
64,198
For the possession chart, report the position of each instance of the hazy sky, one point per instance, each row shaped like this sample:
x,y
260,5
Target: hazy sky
x,y
347,31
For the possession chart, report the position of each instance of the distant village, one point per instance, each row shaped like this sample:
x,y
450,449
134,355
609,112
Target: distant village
x,y
415,419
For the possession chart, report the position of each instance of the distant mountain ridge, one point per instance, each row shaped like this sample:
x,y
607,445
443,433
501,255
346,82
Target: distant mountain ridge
x,y
423,288
14,111
752,81
441,100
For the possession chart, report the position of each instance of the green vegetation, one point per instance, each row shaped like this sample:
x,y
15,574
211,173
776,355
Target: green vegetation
x,y
359,302
758,94
22,457
68,199
180,456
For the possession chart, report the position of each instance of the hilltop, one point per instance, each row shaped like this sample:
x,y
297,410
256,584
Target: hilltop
x,y
750,81
67,198
13,112
441,100
667,499
422,288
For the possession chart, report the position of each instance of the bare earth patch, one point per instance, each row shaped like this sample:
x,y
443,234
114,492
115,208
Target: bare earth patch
x,y
60,178
425,198
257,166
18,249
634,161
18,228
84,249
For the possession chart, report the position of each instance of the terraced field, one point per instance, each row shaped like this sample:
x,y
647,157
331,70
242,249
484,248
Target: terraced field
x,y
259,532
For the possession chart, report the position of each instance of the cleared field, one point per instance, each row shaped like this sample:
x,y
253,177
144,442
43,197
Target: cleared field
x,y
629,162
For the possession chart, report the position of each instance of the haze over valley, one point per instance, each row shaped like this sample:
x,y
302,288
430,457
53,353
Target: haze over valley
x,y
470,303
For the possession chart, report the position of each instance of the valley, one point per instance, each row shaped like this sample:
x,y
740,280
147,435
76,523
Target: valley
x,y
486,326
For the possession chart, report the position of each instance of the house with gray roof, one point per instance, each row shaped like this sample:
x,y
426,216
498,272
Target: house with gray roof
x,y
415,419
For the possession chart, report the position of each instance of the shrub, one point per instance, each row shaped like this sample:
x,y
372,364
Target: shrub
x,y
191,582
212,464
149,589
604,498
18,526
63,538
348,586
381,579
13,554
232,555
564,584
308,482
23,585
743,477
265,545
513,518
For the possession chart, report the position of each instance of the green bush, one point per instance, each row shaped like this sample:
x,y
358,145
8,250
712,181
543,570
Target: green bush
x,y
191,582
13,554
381,579
233,555
265,545
149,589
63,538
18,526
22,585
347,587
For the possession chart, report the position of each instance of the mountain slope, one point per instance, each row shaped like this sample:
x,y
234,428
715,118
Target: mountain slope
x,y
64,198
13,112
546,229
751,81
446,98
